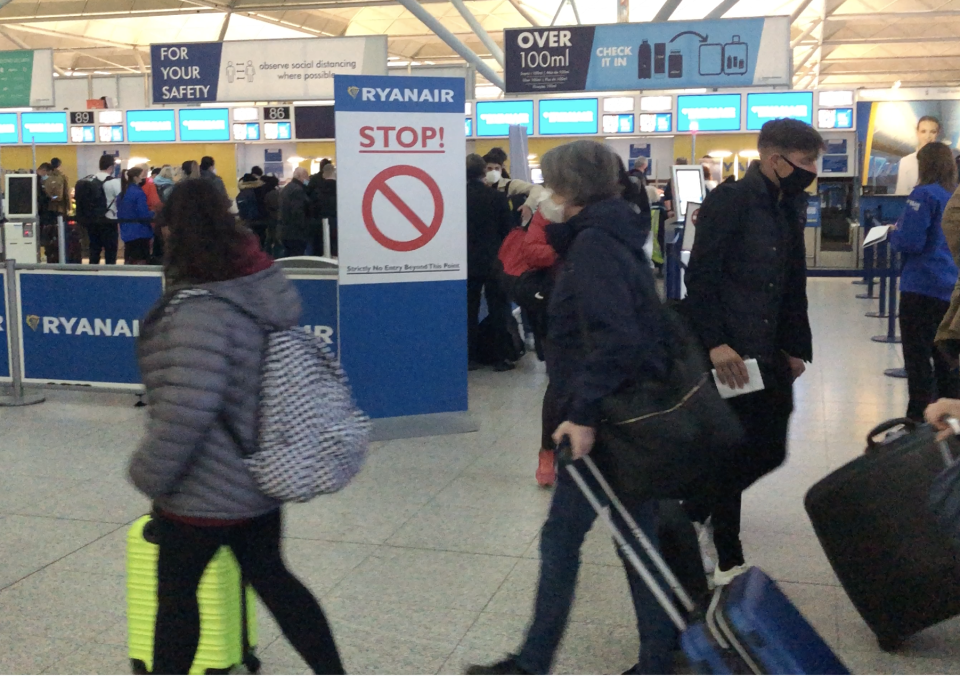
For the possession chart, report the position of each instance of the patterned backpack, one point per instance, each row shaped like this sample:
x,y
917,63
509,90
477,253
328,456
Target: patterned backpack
x,y
312,438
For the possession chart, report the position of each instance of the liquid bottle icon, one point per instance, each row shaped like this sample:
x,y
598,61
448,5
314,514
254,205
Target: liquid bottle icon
x,y
645,61
660,59
675,64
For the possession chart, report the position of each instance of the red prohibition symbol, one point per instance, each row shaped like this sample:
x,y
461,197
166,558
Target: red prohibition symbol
x,y
379,185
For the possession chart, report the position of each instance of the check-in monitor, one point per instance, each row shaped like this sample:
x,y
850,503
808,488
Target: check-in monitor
x,y
20,197
688,187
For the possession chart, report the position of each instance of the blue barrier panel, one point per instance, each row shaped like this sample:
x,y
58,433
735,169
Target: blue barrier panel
x,y
4,334
80,328
319,298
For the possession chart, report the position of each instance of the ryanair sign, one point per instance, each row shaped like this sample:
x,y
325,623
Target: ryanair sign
x,y
82,326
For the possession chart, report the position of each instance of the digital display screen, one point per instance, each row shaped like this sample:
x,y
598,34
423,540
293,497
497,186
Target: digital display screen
x,y
21,196
246,131
151,126
246,114
495,117
709,112
618,124
204,124
840,118
276,131
110,117
84,134
568,116
656,123
761,108
8,128
468,127
111,134
688,187
312,122
47,127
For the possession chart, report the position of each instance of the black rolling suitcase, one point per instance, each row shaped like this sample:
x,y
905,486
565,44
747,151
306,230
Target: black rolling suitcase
x,y
872,517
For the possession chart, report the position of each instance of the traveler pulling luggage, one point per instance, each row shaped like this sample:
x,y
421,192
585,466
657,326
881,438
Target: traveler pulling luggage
x,y
899,568
750,626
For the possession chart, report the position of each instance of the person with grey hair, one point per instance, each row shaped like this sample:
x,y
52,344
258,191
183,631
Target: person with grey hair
x,y
605,331
295,229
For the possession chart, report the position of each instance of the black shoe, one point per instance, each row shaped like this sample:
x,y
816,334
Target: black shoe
x,y
474,366
507,666
503,366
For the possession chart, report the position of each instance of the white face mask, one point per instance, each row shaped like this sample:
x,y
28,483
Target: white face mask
x,y
493,177
552,211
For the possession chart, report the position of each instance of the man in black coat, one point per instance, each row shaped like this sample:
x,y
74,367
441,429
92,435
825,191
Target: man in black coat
x,y
488,223
747,299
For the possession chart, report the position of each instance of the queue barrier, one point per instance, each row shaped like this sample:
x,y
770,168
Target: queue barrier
x,y
75,326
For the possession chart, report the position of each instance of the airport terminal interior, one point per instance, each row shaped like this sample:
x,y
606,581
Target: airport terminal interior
x,y
368,112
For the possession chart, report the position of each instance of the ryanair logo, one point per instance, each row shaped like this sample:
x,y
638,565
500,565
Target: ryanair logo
x,y
353,91
407,95
81,326
913,204
324,333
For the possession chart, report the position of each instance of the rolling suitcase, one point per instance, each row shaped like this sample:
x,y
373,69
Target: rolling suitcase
x,y
228,626
872,518
750,626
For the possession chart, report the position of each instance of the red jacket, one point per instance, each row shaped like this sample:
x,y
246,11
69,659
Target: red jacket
x,y
525,250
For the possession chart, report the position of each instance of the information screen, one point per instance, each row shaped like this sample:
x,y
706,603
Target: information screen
x,y
84,134
618,124
568,116
111,134
204,124
687,187
656,123
761,108
47,127
151,126
468,127
840,118
495,117
8,128
276,131
246,131
313,122
21,195
710,112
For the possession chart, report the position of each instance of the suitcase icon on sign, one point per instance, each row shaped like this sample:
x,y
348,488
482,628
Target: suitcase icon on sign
x,y
735,57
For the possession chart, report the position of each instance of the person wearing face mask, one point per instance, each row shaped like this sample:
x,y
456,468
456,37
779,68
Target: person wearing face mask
x,y
135,217
747,298
908,170
522,196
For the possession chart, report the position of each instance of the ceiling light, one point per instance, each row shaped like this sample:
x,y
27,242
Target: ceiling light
x,y
749,153
896,85
719,154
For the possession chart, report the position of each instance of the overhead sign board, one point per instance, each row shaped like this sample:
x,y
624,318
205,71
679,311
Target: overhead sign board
x,y
625,57
568,116
766,106
26,78
495,117
261,70
710,112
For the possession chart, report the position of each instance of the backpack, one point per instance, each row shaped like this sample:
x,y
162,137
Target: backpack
x,y
312,438
247,205
91,199
56,189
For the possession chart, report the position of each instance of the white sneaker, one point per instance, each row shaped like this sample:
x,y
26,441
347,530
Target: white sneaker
x,y
724,577
705,538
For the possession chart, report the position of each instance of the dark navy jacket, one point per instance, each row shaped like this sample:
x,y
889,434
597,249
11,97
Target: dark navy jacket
x,y
604,296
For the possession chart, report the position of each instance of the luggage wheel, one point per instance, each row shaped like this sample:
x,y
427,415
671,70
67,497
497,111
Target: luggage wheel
x,y
138,667
252,663
889,644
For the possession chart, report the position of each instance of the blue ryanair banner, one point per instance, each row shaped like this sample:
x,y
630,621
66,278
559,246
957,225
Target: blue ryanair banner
x,y
667,55
318,297
4,331
80,328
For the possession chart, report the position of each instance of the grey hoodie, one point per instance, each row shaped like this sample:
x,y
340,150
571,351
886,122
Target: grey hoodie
x,y
201,368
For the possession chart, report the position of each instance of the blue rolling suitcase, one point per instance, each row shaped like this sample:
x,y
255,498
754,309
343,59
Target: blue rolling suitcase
x,y
750,626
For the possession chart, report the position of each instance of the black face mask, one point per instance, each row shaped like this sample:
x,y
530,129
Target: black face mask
x,y
798,181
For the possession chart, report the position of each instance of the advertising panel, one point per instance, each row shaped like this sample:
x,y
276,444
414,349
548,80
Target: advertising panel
x,y
568,116
761,108
708,112
625,57
495,117
204,124
26,78
45,127
261,70
151,126
81,327
8,128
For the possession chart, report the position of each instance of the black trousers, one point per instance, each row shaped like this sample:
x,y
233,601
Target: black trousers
x,y
498,307
136,252
920,316
185,552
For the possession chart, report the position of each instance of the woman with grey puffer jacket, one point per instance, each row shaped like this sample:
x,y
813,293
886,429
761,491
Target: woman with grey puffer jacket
x,y
200,359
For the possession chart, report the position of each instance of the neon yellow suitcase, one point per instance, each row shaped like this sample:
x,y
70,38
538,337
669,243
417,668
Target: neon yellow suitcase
x,y
228,618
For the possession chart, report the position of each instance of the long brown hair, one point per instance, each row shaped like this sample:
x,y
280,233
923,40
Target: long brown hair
x,y
937,166
204,243
129,176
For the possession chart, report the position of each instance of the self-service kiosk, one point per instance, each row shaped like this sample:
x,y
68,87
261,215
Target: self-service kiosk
x,y
20,231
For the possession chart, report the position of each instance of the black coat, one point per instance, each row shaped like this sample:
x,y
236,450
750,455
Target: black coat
x,y
747,277
604,295
488,223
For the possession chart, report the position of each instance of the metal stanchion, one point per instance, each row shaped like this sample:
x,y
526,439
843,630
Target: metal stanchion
x,y
870,261
891,336
327,246
881,312
18,398
61,240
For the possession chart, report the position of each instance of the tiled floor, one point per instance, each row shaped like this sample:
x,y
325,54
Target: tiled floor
x,y
429,560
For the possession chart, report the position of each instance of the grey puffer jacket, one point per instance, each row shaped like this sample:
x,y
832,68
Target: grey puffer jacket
x,y
201,368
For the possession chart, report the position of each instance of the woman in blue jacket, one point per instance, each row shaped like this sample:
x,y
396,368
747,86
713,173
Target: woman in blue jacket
x,y
135,218
927,281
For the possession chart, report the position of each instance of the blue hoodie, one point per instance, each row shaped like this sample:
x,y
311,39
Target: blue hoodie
x,y
134,215
928,266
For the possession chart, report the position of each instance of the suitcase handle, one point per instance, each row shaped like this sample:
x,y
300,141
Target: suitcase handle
x,y
906,423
